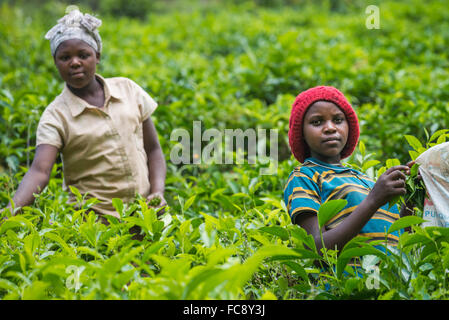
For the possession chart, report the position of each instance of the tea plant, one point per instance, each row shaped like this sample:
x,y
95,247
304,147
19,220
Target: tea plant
x,y
225,233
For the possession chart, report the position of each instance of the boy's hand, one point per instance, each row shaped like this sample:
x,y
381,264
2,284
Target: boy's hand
x,y
410,165
157,200
389,185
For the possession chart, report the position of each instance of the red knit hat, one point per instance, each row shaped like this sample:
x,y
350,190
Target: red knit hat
x,y
302,102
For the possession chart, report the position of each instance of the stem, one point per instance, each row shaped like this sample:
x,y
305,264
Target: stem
x,y
324,249
440,258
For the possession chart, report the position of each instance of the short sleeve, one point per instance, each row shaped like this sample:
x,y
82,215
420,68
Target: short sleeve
x,y
301,194
50,130
145,102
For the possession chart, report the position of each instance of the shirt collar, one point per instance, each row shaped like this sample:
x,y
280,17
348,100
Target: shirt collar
x,y
335,167
77,105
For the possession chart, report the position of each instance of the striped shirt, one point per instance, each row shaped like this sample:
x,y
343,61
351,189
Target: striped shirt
x,y
315,182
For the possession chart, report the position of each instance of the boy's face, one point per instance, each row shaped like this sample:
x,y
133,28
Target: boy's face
x,y
76,62
325,131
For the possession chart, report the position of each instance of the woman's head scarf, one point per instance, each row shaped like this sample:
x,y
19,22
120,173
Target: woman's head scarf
x,y
75,25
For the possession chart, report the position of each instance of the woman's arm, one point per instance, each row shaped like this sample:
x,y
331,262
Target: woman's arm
x,y
389,185
156,162
37,177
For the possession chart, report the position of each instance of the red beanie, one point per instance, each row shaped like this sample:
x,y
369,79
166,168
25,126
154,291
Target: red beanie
x,y
302,102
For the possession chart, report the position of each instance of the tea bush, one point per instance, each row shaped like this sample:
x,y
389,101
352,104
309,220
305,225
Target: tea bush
x,y
226,233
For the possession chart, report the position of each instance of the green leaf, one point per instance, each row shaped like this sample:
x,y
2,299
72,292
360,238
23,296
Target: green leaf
x,y
405,222
277,231
414,170
413,142
76,192
189,202
329,209
220,255
301,235
217,192
16,221
438,233
368,164
8,285
118,205
30,244
413,154
36,291
408,239
268,295
90,251
362,148
298,269
441,139
157,226
153,249
251,264
203,276
395,200
355,242
62,243
392,162
351,285
308,254
390,295
381,171
446,260
437,134
346,255
22,262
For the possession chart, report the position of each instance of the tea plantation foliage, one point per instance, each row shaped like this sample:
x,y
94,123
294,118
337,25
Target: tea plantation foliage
x,y
226,233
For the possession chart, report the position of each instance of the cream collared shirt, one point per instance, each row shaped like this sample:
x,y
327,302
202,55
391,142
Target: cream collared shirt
x,y
102,148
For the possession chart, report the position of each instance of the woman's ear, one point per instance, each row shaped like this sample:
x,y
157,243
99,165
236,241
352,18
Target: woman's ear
x,y
98,55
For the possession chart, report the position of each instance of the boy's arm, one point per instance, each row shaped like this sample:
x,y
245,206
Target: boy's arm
x,y
156,162
37,177
337,237
389,185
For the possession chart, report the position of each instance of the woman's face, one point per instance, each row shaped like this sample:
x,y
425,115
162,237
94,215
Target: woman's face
x,y
76,62
325,131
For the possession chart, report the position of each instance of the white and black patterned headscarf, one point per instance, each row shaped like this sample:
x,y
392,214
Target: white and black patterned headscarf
x,y
75,25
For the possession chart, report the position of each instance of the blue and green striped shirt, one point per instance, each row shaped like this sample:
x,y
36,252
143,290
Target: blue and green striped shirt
x,y
315,182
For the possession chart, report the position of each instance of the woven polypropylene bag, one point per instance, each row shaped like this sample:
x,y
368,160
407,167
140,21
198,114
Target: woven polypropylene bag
x,y
434,170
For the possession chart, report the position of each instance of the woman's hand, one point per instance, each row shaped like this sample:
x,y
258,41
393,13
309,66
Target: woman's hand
x,y
161,205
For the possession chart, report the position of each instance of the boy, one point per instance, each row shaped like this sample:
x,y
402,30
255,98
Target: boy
x,y
323,130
